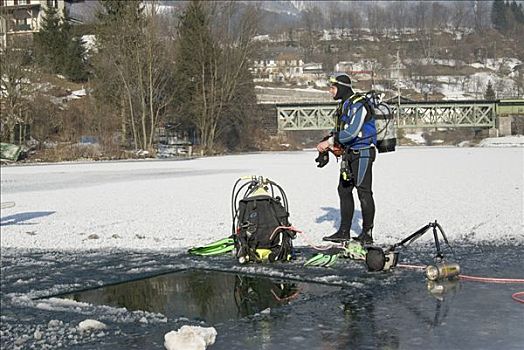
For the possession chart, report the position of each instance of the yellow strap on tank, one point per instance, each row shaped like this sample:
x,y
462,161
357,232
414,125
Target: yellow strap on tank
x,y
263,254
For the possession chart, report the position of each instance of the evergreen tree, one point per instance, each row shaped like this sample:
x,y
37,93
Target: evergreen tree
x,y
520,14
499,18
49,43
191,69
74,67
57,50
73,62
516,12
490,93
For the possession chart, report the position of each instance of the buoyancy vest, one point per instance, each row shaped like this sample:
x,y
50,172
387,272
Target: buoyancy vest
x,y
355,125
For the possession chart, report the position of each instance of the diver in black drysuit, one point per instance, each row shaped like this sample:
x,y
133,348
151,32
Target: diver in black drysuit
x,y
356,133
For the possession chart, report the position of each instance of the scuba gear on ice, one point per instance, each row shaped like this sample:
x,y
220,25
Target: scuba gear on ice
x,y
420,232
349,250
322,260
222,246
261,230
354,251
381,259
442,271
261,227
378,260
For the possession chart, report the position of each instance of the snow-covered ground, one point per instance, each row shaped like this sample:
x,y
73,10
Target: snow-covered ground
x,y
475,193
100,223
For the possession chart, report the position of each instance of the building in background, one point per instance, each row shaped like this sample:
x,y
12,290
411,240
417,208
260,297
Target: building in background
x,y
277,65
24,17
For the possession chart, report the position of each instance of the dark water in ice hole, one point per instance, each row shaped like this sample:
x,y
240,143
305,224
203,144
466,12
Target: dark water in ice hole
x,y
360,310
210,296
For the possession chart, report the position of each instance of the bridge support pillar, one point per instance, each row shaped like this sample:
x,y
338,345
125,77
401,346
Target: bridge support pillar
x,y
504,125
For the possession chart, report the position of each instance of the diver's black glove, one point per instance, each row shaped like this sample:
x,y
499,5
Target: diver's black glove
x,y
322,159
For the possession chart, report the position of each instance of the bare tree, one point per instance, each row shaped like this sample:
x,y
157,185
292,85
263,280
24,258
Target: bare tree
x,y
156,90
458,14
376,18
439,16
421,13
133,68
311,22
481,13
15,91
399,14
212,58
336,16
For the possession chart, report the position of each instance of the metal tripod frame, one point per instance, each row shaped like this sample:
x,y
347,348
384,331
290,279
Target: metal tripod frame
x,y
439,256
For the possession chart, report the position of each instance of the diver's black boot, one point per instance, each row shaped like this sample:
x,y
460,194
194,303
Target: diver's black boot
x,y
366,237
339,236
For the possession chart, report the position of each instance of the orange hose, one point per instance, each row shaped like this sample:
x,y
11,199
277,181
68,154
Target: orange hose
x,y
491,279
515,296
518,297
316,247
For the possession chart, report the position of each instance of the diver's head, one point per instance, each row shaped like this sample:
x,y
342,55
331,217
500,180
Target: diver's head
x,y
340,86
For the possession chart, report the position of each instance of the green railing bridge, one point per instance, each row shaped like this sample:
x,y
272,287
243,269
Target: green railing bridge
x,y
442,114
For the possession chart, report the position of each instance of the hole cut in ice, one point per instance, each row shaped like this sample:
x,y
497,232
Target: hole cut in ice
x,y
209,296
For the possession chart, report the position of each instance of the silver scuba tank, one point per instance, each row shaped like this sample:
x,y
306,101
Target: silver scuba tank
x,y
385,125
442,271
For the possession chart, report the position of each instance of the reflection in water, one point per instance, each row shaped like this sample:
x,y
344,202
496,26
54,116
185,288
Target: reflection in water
x,y
202,295
359,326
368,321
253,295
324,317
395,309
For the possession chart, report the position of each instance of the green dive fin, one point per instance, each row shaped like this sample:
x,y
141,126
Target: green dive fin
x,y
313,260
322,260
354,250
221,246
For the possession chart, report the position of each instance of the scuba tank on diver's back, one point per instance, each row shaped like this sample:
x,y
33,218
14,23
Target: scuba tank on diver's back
x,y
386,135
384,123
